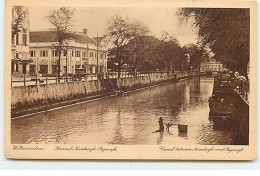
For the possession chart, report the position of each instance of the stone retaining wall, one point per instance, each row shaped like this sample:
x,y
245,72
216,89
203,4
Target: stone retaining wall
x,y
25,98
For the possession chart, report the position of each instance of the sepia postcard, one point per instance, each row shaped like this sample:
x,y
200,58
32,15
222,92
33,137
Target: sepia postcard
x,y
131,80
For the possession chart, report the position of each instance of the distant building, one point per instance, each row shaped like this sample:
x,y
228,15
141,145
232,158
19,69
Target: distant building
x,y
211,66
20,45
83,53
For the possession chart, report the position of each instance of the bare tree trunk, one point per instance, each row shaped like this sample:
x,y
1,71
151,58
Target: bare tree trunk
x,y
134,67
59,64
118,70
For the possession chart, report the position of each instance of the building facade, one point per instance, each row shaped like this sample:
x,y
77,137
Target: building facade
x,y
20,42
81,53
211,66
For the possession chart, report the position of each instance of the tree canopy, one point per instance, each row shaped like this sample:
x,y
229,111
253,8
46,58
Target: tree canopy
x,y
196,55
61,21
121,31
134,47
225,31
18,17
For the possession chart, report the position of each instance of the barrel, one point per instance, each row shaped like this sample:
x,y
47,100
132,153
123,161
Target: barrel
x,y
182,128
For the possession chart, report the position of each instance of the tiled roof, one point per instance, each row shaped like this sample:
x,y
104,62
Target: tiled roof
x,y
49,36
98,39
82,38
42,36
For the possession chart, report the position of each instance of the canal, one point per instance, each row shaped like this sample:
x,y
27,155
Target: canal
x,y
130,119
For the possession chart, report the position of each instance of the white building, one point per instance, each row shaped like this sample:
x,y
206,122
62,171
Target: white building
x,y
211,66
82,52
20,43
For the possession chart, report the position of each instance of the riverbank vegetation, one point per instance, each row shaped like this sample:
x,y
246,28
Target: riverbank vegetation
x,y
225,31
223,35
135,50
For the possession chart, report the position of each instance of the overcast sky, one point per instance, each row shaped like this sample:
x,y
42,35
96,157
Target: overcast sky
x,y
95,19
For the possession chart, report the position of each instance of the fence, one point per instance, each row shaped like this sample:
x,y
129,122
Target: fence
x,y
242,88
38,80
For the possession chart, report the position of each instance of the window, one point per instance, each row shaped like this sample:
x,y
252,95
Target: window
x,y
17,39
44,69
44,53
16,55
54,53
32,53
32,69
24,40
72,53
77,53
95,55
84,54
16,67
91,54
54,69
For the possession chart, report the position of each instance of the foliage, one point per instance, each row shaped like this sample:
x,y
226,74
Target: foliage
x,y
196,55
142,47
133,47
18,17
121,31
61,21
225,31
169,54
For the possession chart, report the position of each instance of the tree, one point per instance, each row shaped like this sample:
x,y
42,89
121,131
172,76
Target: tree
x,y
121,31
18,17
225,31
142,46
61,20
196,54
140,43
175,55
169,54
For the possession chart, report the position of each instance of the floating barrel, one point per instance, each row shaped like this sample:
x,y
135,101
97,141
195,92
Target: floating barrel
x,y
182,128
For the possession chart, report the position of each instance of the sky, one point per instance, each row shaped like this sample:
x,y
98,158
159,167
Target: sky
x,y
158,20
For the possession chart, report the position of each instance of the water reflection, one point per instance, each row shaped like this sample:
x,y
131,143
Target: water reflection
x,y
130,119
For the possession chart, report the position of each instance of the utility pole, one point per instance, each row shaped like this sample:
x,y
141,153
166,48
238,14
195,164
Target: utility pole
x,y
66,52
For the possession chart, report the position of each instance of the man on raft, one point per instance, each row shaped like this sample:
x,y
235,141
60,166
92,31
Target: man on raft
x,y
161,127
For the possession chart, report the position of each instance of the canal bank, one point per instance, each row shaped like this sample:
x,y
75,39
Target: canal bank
x,y
130,119
37,98
228,108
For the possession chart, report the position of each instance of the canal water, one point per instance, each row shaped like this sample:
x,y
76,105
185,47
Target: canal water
x,y
130,119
